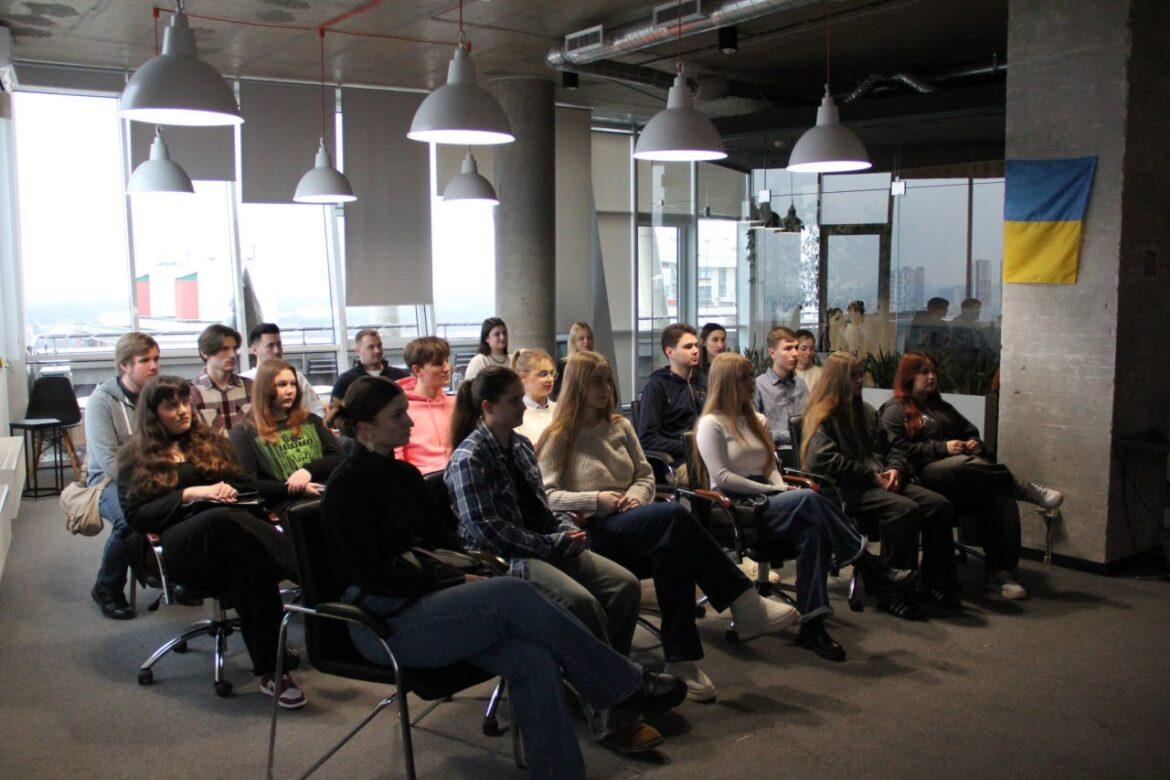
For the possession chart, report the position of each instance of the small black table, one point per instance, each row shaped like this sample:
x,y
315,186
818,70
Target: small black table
x,y
33,432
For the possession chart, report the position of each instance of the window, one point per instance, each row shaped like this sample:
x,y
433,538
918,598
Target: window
x,y
72,228
855,199
721,243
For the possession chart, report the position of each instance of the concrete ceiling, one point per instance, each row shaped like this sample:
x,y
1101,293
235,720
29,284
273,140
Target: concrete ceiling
x,y
784,52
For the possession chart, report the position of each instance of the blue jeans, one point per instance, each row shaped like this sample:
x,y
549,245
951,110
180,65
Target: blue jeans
x,y
664,541
111,575
507,626
819,532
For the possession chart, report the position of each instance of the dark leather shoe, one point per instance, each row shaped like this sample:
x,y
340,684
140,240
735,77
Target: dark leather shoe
x,y
113,605
814,637
657,693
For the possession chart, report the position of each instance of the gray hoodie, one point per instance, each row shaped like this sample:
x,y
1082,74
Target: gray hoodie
x,y
109,422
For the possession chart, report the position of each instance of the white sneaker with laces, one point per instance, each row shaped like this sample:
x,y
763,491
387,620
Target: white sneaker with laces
x,y
1043,497
751,570
291,697
1005,585
699,685
754,615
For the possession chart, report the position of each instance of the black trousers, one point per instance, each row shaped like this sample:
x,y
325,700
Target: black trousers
x,y
901,519
227,552
982,490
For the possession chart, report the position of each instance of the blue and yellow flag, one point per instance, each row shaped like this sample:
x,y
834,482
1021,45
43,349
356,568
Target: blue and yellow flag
x,y
1043,215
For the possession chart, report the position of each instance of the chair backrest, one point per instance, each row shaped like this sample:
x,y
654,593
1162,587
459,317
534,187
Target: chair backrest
x,y
441,498
53,396
795,431
697,476
325,639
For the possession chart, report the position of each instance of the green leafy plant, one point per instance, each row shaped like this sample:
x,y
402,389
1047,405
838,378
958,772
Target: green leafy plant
x,y
759,357
969,375
881,367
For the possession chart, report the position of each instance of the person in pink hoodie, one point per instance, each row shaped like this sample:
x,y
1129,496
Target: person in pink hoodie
x,y
429,361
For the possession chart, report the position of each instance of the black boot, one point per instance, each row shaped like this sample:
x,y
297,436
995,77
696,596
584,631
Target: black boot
x,y
814,636
879,577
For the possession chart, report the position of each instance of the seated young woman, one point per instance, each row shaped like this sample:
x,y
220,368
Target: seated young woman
x,y
735,444
844,439
537,373
377,509
287,451
178,479
493,348
712,344
496,487
593,465
946,452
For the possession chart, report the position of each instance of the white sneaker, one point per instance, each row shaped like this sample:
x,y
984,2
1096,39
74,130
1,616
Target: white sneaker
x,y
1043,497
751,570
753,615
699,685
290,698
1005,585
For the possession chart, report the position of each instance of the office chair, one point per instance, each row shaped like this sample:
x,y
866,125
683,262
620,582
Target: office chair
x,y
331,651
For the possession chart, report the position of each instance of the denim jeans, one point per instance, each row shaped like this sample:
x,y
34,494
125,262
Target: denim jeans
x,y
111,575
819,532
507,626
665,542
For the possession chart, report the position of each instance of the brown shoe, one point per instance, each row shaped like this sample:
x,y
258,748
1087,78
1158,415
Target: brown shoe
x,y
634,738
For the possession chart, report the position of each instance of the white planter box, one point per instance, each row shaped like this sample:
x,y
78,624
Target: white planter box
x,y
972,407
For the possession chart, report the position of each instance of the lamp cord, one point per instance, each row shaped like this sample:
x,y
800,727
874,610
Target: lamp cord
x,y
678,63
828,41
321,37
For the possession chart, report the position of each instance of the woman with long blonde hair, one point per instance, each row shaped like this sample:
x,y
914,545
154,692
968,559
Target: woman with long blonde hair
x,y
592,464
537,373
843,438
734,442
580,340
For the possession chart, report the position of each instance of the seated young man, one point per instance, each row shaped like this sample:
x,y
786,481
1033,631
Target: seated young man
x,y
109,421
264,343
430,408
221,396
780,393
368,348
806,351
673,396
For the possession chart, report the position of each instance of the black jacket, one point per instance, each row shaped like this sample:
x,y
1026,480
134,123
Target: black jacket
x,y
268,484
375,509
835,451
393,373
941,422
670,406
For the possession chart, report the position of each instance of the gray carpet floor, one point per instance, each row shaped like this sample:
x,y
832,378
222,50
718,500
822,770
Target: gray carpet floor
x,y
1074,682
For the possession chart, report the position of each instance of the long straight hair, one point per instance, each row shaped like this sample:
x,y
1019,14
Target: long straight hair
x,y
145,461
263,395
833,397
569,415
726,402
704,358
575,330
909,367
488,385
485,330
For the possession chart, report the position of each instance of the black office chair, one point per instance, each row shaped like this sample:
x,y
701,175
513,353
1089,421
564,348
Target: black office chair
x,y
331,651
52,413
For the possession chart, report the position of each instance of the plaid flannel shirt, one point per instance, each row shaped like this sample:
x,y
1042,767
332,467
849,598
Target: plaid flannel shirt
x,y
480,484
222,409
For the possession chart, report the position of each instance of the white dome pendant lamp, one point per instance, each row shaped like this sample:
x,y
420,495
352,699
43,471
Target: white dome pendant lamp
x,y
323,183
461,112
468,186
679,133
159,175
178,88
828,146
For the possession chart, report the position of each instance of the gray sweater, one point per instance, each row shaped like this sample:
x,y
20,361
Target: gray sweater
x,y
109,422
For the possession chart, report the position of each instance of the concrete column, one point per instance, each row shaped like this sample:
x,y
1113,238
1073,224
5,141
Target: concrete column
x,y
1086,363
525,172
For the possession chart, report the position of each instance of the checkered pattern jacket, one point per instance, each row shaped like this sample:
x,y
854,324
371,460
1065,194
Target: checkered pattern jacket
x,y
222,409
480,484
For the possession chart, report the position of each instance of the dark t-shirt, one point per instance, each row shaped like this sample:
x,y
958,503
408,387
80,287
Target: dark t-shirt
x,y
535,514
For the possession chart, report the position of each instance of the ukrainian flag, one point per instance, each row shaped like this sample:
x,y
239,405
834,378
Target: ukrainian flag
x,y
1044,214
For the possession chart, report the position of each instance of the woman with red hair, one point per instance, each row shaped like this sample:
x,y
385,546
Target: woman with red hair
x,y
945,450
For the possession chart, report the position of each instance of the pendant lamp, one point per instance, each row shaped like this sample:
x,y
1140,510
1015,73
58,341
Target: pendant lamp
x,y
679,133
159,174
323,183
178,88
468,186
461,112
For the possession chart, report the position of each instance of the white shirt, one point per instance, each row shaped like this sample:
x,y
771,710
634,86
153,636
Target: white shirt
x,y
480,362
536,418
309,398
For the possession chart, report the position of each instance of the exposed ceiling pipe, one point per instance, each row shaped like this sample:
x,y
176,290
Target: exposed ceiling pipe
x,y
704,87
627,38
874,80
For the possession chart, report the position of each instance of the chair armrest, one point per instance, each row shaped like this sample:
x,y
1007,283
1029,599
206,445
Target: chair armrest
x,y
714,496
811,484
349,613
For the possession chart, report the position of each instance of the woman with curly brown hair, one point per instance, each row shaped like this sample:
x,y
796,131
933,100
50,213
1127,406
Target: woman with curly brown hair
x,y
177,478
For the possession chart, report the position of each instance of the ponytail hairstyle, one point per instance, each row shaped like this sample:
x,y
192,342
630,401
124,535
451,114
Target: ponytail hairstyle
x,y
264,393
485,329
911,364
833,398
725,401
569,416
364,398
526,360
488,385
145,460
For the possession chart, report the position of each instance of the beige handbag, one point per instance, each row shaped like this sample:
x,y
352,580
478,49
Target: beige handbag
x,y
80,502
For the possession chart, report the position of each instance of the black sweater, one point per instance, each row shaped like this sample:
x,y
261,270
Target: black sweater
x,y
834,451
941,423
375,509
670,406
261,470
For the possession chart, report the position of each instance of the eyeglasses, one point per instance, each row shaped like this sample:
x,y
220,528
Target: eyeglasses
x,y
546,374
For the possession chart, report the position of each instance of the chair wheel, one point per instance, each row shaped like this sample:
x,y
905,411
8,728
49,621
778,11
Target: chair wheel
x,y
732,635
491,727
223,689
145,676
181,647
